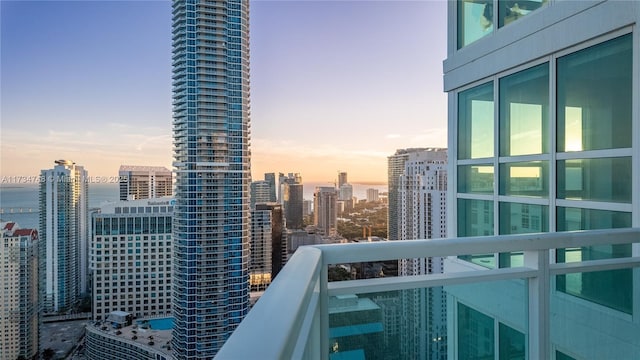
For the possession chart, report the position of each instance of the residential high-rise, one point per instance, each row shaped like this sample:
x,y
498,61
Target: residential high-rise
x,y
278,241
144,182
342,178
422,193
260,264
422,196
271,179
373,195
543,120
18,292
325,213
64,236
132,240
212,167
394,170
260,193
345,192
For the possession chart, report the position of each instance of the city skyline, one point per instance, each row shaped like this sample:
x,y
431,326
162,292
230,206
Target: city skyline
x,y
314,86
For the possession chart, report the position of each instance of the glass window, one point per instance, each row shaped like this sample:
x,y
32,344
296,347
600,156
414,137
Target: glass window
x,y
518,218
512,343
475,334
475,218
609,288
475,179
604,179
512,10
475,20
475,122
524,112
525,179
594,97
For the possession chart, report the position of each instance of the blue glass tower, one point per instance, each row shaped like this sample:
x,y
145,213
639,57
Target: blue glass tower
x,y
212,165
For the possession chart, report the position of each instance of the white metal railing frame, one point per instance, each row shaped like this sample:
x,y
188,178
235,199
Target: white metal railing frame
x,y
291,320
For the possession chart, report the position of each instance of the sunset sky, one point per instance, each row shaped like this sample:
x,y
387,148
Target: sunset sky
x,y
335,85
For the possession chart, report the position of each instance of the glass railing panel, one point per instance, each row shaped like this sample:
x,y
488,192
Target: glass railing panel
x,y
591,315
488,320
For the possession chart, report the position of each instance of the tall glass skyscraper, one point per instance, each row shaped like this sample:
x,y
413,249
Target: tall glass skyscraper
x,y
211,137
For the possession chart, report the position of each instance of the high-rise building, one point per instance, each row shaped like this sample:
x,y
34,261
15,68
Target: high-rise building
x,y
345,192
342,178
394,170
422,193
292,202
271,179
64,236
260,264
422,196
260,193
543,121
212,166
325,214
373,195
278,240
132,240
18,292
144,182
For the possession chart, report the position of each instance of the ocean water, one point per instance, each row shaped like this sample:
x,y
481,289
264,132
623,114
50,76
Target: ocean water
x,y
19,202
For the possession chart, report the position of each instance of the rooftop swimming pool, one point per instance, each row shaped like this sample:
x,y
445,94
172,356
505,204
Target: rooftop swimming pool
x,y
157,324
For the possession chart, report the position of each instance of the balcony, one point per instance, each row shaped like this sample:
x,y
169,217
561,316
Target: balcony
x,y
537,308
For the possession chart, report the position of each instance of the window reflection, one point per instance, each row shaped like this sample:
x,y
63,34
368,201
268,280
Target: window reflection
x,y
524,179
475,20
605,179
475,122
595,97
524,108
512,10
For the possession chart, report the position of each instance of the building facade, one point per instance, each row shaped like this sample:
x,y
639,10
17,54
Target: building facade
x,y
278,237
373,195
19,307
292,202
270,178
64,236
325,214
212,167
395,167
543,137
144,182
261,241
422,198
260,192
130,258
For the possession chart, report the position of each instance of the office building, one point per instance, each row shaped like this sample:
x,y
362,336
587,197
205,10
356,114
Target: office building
x,y
64,236
373,195
130,258
260,192
543,119
292,198
211,130
271,179
260,264
325,214
307,207
395,167
18,292
144,182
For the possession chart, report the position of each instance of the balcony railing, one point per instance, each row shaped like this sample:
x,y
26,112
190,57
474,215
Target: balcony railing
x,y
292,320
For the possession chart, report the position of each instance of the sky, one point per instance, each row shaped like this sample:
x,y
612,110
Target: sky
x,y
335,85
